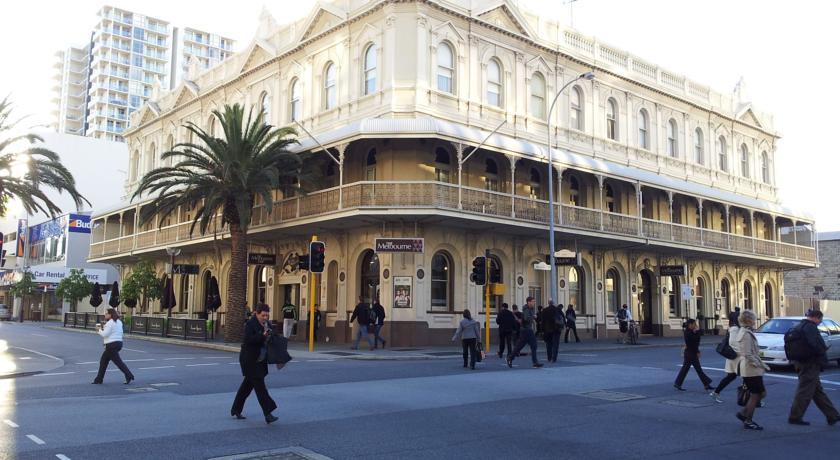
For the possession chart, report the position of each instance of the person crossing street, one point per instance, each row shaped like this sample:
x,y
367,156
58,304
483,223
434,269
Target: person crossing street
x,y
527,336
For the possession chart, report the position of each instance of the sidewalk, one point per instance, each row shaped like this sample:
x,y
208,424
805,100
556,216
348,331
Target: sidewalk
x,y
299,350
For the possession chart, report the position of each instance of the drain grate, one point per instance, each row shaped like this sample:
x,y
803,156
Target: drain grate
x,y
686,404
444,353
338,353
613,396
288,453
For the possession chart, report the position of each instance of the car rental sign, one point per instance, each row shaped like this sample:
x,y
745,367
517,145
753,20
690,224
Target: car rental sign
x,y
399,245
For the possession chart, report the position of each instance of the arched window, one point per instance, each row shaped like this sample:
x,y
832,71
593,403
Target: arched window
x,y
609,198
698,146
294,101
369,288
534,184
745,161
211,125
260,283
265,107
442,165
576,290
643,129
370,69
700,296
370,165
673,285
576,109
722,154
538,96
768,300
673,133
496,265
184,294
612,287
135,166
442,275
765,168
574,191
329,87
748,295
726,305
150,158
491,175
445,68
494,83
612,119
170,143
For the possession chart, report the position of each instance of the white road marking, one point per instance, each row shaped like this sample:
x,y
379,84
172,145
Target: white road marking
x,y
54,373
174,359
62,457
38,353
168,384
107,370
313,361
132,349
10,423
137,360
654,368
156,367
38,335
25,357
234,362
36,439
88,362
204,364
586,355
214,357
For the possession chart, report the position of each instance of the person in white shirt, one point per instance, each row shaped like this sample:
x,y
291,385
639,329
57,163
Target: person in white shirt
x,y
112,335
623,317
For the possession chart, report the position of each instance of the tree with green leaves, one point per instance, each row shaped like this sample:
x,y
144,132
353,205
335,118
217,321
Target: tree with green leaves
x,y
141,285
224,176
73,288
24,289
27,169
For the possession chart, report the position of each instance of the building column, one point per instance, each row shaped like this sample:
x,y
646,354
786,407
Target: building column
x,y
671,213
775,236
558,198
512,160
728,228
601,198
341,149
752,229
639,204
700,209
459,152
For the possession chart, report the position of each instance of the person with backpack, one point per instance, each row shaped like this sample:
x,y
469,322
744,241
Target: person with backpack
x,y
526,334
549,329
623,317
377,320
571,326
805,347
289,318
751,368
691,356
361,314
469,330
506,322
731,366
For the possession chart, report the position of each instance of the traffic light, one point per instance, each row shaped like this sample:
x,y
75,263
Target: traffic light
x,y
317,253
303,262
479,271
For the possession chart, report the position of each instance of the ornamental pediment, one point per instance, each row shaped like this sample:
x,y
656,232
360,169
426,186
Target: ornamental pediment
x,y
503,17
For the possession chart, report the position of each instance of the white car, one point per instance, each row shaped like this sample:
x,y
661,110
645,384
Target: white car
x,y
771,339
5,313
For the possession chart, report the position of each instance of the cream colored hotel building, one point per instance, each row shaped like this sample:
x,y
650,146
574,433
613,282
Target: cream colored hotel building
x,y
653,169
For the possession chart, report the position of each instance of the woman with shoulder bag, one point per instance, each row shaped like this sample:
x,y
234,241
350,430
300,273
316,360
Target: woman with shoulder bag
x,y
112,335
731,366
254,367
469,332
751,368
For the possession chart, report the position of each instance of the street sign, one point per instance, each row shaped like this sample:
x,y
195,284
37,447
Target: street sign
x,y
185,269
686,291
261,259
672,270
566,258
399,245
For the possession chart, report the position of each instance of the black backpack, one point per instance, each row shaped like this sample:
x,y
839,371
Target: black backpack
x,y
796,345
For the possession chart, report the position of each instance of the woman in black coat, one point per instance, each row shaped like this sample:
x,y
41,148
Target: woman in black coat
x,y
571,326
257,329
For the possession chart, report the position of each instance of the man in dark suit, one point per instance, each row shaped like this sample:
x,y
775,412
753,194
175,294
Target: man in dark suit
x,y
257,329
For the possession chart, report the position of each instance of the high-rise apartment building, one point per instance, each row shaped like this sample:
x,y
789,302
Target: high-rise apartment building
x,y
127,56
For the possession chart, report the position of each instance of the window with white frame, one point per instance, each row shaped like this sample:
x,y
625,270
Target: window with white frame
x,y
494,83
576,109
445,68
722,154
441,285
370,69
643,129
698,146
765,168
612,119
538,96
745,161
673,150
329,87
294,101
265,107
611,286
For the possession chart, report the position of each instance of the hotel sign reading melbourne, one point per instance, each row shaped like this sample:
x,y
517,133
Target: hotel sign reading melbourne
x,y
399,245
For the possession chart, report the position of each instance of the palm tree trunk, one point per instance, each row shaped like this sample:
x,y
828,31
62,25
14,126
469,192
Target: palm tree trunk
x,y
237,285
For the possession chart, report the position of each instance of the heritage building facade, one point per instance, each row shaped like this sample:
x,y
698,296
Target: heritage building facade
x,y
650,169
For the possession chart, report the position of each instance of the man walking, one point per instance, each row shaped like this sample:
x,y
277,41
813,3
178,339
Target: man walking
x,y
361,314
623,317
811,359
317,322
289,318
506,322
548,318
377,319
526,333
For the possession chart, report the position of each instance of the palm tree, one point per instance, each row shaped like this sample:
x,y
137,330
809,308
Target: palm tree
x,y
223,176
26,169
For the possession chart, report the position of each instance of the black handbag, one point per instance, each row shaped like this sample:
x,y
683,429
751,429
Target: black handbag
x,y
725,350
743,394
277,350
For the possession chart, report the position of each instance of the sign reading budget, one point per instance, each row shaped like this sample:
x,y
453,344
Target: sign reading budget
x,y
79,223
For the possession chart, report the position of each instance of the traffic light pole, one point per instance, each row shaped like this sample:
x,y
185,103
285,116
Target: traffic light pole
x,y
311,325
487,306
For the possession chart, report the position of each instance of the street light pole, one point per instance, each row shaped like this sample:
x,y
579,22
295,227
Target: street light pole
x,y
172,253
553,267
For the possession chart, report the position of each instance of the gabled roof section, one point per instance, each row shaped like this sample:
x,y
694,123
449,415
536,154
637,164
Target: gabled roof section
x,y
324,17
747,115
186,92
147,113
447,28
258,52
503,15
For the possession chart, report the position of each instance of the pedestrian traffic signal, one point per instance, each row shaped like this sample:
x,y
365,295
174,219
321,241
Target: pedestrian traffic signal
x,y
479,271
317,254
